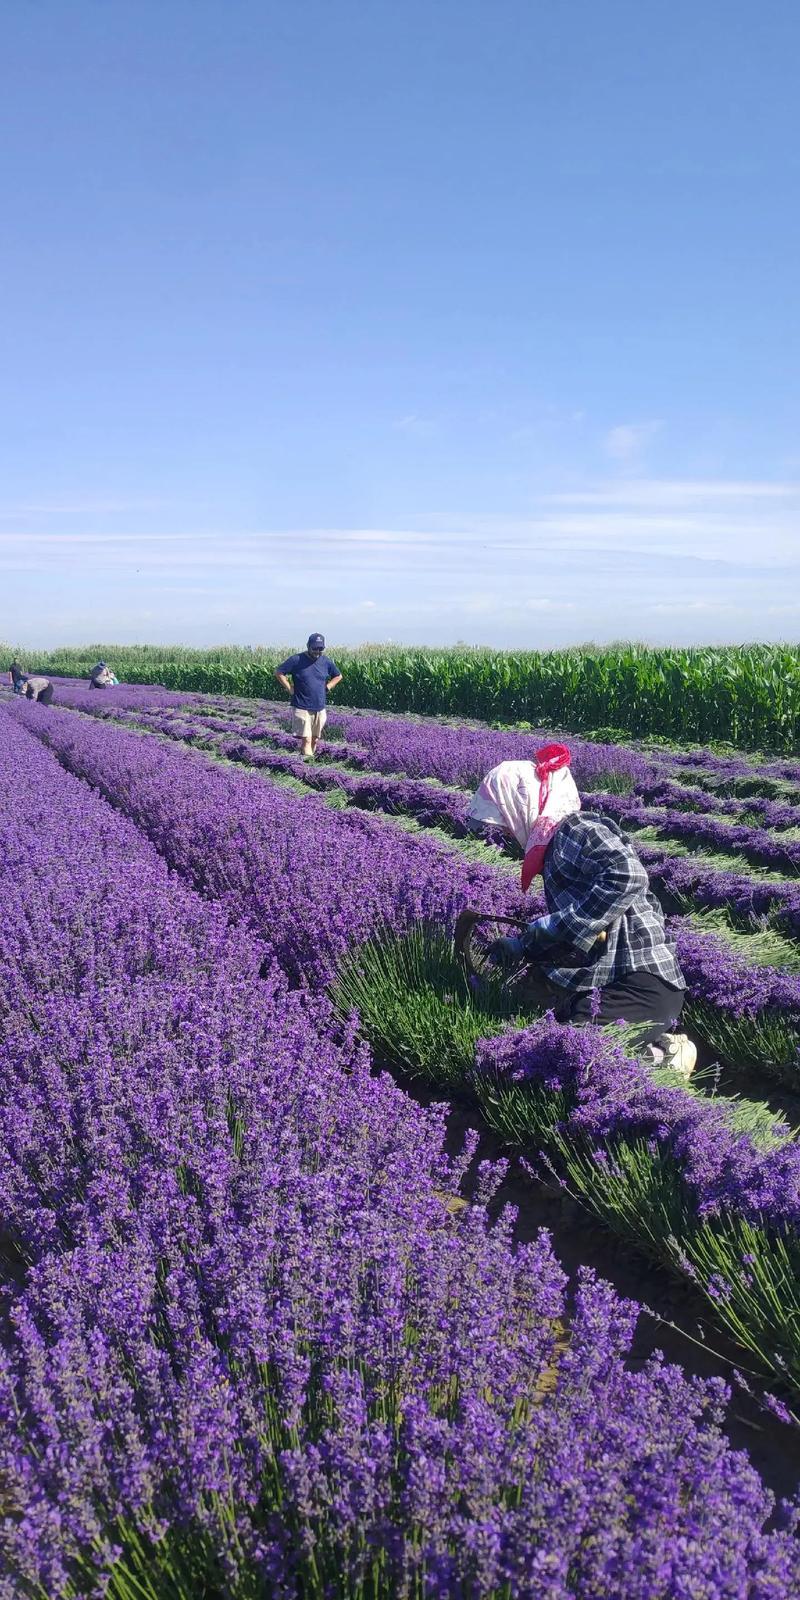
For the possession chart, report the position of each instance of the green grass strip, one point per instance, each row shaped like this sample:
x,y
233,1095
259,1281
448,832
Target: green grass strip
x,y
760,785
757,947
716,860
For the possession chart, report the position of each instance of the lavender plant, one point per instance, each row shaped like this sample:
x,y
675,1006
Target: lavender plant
x,y
746,1017
246,1347
677,1174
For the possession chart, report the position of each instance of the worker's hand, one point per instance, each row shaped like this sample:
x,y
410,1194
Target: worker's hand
x,y
537,941
505,952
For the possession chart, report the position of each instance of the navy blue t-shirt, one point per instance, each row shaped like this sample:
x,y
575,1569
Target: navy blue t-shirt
x,y
309,675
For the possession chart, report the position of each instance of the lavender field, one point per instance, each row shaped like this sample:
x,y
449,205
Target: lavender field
x,y
254,1342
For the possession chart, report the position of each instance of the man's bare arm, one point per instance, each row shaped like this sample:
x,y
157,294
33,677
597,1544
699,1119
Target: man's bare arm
x,y
333,682
284,681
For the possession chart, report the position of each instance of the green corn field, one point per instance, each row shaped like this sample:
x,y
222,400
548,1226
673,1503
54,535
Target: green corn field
x,y
748,695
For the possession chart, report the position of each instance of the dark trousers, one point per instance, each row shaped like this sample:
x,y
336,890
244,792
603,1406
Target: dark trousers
x,y
635,997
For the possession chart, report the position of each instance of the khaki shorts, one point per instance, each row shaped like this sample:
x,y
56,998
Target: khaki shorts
x,y
308,724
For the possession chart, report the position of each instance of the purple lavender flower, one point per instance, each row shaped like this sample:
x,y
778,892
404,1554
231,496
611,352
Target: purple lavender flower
x,y
243,1328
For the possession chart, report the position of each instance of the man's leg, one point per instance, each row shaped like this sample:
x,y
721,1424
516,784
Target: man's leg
x,y
301,728
317,725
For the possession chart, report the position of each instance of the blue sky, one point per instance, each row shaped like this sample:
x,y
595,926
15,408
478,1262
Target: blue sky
x,y
422,321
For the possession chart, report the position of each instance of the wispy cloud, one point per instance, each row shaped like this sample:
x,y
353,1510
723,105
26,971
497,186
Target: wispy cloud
x,y
733,523
68,541
628,441
78,508
658,492
415,424
648,558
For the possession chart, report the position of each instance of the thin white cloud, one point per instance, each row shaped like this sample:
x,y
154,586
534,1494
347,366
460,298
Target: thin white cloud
x,y
669,491
661,559
628,441
671,607
66,541
415,424
745,523
746,526
80,508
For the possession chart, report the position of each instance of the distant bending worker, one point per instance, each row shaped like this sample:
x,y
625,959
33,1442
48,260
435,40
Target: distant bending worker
x,y
101,676
313,675
39,688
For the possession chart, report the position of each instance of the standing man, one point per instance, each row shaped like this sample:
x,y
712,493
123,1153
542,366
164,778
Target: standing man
x,y
312,674
17,677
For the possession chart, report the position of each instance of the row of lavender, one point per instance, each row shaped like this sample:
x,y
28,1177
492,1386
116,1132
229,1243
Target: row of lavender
x,y
759,1005
459,756
599,770
462,753
453,753
246,1349
434,805
748,1014
750,897
276,863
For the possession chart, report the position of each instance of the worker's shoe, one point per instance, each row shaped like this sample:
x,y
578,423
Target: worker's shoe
x,y
680,1053
673,1050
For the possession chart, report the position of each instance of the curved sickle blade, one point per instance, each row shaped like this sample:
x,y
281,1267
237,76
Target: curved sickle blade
x,y
469,919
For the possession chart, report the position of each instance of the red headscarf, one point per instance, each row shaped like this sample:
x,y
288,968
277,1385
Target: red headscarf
x,y
550,759
529,799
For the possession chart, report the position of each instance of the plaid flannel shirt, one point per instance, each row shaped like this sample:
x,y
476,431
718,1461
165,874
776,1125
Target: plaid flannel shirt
x,y
595,883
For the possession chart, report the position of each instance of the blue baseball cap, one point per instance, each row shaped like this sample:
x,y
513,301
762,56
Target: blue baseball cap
x,y
316,641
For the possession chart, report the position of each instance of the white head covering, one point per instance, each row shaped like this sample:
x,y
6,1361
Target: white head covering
x,y
530,798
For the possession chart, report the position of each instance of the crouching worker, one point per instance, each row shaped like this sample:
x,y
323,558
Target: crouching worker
x,y
602,949
38,688
101,676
